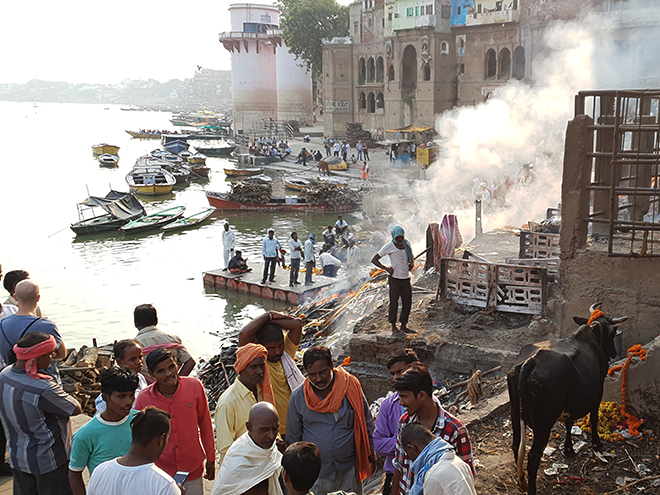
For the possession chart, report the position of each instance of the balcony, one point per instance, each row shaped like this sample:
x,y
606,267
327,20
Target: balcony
x,y
242,35
413,22
494,17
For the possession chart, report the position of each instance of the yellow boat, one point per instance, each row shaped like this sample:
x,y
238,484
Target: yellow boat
x,y
335,163
100,149
150,180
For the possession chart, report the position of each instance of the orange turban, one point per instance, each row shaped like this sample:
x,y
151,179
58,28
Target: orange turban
x,y
244,356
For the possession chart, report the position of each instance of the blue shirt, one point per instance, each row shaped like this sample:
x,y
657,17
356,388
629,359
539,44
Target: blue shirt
x,y
309,251
270,247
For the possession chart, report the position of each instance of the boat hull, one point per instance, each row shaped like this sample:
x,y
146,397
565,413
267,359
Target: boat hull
x,y
155,190
220,202
184,223
225,151
105,148
157,224
103,223
244,172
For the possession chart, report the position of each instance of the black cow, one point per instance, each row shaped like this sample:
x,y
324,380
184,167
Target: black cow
x,y
559,380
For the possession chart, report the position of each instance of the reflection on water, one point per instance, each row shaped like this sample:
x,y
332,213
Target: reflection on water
x,y
91,284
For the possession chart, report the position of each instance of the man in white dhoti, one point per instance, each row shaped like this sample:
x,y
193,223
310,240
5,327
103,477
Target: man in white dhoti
x,y
253,458
228,244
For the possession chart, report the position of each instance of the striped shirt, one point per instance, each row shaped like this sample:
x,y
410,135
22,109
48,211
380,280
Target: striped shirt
x,y
35,415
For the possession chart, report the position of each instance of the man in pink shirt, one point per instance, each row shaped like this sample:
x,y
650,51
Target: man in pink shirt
x,y
191,446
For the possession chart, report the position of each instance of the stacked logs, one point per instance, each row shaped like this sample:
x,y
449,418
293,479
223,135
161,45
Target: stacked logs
x,y
250,191
324,192
355,133
218,373
81,371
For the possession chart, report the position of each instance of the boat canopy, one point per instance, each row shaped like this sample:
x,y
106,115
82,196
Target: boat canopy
x,y
120,204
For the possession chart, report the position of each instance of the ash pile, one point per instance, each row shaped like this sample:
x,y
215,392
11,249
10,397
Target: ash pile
x,y
355,133
251,191
81,372
323,192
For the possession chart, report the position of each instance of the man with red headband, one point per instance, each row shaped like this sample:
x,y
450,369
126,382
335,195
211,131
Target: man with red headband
x,y
35,413
251,386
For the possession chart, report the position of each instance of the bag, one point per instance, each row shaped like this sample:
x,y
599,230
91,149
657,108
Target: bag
x,y
12,354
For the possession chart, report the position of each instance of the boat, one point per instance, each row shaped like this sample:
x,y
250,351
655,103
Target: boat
x,y
216,151
336,163
243,172
199,171
297,183
289,204
185,154
171,158
260,177
153,221
107,160
119,207
176,146
100,149
185,222
180,172
145,134
150,180
333,180
197,158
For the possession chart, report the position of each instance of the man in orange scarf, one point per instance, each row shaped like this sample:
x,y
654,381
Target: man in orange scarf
x,y
330,411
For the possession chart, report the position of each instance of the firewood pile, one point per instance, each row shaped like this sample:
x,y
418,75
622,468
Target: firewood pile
x,y
250,191
355,133
218,373
81,372
324,192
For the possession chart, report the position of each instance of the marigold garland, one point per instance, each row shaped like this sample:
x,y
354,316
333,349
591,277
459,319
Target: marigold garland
x,y
610,419
633,422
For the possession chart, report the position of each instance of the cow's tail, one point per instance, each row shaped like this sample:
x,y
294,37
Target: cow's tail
x,y
522,446
525,371
517,423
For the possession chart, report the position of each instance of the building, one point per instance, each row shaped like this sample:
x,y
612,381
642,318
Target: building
x,y
267,81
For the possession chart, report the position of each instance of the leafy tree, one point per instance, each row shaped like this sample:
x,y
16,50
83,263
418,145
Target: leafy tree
x,y
306,23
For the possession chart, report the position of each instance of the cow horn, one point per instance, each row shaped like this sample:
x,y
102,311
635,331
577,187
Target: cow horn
x,y
594,306
620,319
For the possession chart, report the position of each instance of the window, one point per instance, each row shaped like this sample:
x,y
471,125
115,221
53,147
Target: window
x,y
445,13
362,71
444,48
429,10
371,70
519,62
362,101
409,69
390,73
505,64
389,17
426,72
490,64
416,11
380,69
410,12
371,103
458,11
380,101
369,21
356,27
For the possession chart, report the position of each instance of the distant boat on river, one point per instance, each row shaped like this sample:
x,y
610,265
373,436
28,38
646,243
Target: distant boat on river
x,y
100,149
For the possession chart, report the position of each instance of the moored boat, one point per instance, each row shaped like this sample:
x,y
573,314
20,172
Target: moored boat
x,y
199,171
185,222
100,149
219,201
243,172
197,158
107,160
119,207
216,151
153,221
176,146
297,183
145,134
150,180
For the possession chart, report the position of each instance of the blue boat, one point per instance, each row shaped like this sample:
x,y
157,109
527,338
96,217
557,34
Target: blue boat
x,y
176,146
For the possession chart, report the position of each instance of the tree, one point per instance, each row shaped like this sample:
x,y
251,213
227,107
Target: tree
x,y
306,23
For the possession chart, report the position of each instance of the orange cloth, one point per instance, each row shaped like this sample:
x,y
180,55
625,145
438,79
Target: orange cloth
x,y
346,385
595,315
244,356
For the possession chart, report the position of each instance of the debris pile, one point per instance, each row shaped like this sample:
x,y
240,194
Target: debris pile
x,y
81,371
355,133
218,373
324,192
250,191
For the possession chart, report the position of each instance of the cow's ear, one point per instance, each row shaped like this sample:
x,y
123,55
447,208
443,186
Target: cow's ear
x,y
579,320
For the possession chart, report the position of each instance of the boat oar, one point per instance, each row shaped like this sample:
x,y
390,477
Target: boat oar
x,y
51,235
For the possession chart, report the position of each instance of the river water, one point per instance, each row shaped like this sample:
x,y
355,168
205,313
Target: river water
x,y
90,285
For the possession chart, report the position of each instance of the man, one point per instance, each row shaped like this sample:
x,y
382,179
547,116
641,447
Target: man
x,y
387,421
24,322
228,244
415,388
359,147
108,434
301,465
251,386
145,319
329,263
12,278
365,173
341,226
128,354
401,261
269,251
309,259
365,152
237,264
331,411
184,399
329,237
435,466
35,413
296,248
336,148
253,459
136,472
268,331
6,310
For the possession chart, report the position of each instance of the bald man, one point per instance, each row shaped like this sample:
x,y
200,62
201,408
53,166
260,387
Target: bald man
x,y
24,321
253,460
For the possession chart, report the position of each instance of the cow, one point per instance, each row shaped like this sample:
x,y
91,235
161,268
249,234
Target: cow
x,y
559,380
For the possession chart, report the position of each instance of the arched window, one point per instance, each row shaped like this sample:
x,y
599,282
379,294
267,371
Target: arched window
x,y
444,48
390,73
362,101
380,101
505,64
519,63
490,64
371,70
409,69
426,72
371,103
380,69
362,71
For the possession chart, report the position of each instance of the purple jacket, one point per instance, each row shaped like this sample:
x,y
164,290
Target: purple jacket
x,y
387,429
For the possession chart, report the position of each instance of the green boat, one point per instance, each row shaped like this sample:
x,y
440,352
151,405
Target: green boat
x,y
154,221
185,222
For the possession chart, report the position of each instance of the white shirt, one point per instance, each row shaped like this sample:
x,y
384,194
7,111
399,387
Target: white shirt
x,y
228,239
337,146
328,259
8,310
398,260
101,405
292,247
111,478
449,476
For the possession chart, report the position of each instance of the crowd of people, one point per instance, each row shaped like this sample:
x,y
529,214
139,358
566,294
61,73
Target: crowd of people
x,y
270,149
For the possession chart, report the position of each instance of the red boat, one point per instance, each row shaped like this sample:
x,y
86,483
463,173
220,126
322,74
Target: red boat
x,y
220,202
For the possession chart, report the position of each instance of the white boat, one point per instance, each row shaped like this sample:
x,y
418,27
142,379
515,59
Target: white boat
x,y
150,180
108,160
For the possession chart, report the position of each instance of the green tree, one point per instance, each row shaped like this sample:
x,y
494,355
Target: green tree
x,y
306,23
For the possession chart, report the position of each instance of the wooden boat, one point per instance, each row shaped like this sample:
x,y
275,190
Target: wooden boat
x,y
297,183
176,146
185,222
333,180
260,177
100,149
119,207
150,180
107,160
216,151
243,172
153,221
197,158
335,163
144,135
171,158
185,154
199,171
220,202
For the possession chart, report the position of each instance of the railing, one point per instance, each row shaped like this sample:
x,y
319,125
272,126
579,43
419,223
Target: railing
x,y
413,22
495,17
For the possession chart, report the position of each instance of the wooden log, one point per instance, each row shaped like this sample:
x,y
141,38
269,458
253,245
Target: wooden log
x,y
87,357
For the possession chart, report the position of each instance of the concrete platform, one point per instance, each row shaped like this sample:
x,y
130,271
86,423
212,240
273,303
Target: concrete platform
x,y
250,283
